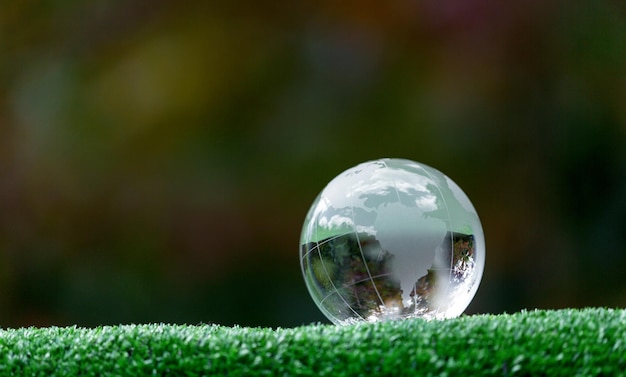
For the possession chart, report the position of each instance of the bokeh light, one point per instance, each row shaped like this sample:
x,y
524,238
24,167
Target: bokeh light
x,y
157,158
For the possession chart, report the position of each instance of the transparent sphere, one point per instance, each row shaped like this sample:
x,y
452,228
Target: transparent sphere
x,y
392,239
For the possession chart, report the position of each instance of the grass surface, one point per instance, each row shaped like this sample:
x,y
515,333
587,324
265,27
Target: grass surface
x,y
587,342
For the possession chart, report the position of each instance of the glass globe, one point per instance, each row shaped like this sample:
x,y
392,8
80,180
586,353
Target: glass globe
x,y
392,239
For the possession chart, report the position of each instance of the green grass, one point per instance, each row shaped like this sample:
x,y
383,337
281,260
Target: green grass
x,y
589,342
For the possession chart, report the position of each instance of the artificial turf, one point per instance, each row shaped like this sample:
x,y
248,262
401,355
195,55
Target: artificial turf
x,y
586,342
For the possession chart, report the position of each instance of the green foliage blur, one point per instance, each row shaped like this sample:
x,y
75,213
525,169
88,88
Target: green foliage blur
x,y
157,158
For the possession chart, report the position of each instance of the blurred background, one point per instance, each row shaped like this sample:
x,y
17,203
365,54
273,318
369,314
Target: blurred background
x,y
157,158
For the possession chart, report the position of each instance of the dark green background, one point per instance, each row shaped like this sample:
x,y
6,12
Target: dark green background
x,y
157,158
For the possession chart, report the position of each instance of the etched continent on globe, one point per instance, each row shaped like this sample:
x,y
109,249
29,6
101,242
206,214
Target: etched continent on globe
x,y
392,239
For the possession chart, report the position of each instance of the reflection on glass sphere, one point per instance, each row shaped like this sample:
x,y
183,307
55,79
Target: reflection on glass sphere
x,y
392,239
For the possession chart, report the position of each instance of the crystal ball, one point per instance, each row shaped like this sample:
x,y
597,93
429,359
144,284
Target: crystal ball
x,y
392,239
